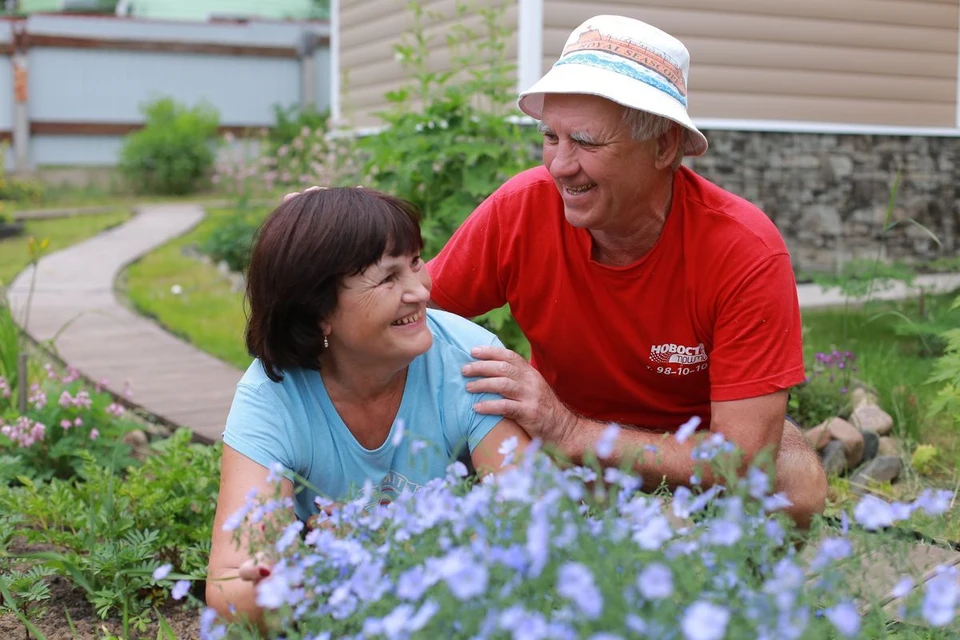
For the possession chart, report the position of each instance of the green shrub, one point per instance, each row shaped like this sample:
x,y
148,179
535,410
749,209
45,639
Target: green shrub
x,y
173,153
232,240
110,531
64,421
289,123
826,391
946,373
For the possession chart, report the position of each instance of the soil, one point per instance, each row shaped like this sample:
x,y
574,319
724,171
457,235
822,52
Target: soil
x,y
51,619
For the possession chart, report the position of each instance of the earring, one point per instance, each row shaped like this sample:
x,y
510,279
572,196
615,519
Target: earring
x,y
326,343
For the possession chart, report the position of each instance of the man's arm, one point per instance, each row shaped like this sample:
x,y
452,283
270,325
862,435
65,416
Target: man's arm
x,y
753,426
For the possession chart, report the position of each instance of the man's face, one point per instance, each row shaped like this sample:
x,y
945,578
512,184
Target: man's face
x,y
604,176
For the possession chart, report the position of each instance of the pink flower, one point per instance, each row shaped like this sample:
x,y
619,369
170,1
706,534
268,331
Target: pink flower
x,y
115,409
94,434
65,399
82,399
78,422
51,374
66,424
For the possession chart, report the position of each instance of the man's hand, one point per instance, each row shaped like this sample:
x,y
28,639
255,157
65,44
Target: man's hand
x,y
294,194
527,398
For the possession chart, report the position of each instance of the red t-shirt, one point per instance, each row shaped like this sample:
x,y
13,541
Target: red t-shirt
x,y
709,314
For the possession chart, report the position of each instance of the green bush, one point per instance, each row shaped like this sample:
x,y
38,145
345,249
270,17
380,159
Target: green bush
x,y
108,531
946,373
232,241
174,152
458,145
290,122
825,393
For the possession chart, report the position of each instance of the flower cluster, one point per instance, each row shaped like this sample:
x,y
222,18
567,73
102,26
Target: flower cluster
x,y
543,551
824,393
50,438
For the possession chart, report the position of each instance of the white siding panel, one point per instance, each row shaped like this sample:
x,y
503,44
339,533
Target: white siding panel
x,y
880,62
370,31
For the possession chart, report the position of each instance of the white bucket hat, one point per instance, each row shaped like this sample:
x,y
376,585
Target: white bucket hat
x,y
627,61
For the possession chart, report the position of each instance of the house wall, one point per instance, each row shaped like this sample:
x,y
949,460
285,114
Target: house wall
x,y
828,193
203,9
369,31
6,97
882,62
89,76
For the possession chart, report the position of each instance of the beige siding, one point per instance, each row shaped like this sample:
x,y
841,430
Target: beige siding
x,y
884,62
369,31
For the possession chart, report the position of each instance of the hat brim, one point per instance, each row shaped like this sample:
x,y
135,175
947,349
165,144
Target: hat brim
x,y
569,79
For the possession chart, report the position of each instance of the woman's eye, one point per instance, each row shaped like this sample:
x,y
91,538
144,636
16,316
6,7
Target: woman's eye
x,y
390,278
416,263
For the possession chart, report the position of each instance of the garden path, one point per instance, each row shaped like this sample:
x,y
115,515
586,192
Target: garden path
x,y
75,305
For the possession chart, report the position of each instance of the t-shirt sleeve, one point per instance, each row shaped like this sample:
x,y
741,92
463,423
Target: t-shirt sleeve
x,y
259,428
466,272
757,343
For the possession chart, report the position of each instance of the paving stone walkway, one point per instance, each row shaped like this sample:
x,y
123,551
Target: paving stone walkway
x,y
75,302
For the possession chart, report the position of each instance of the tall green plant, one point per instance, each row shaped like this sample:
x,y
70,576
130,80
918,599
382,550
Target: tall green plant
x,y
946,373
448,143
450,140
174,152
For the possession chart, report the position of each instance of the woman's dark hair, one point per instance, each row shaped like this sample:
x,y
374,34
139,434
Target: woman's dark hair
x,y
303,251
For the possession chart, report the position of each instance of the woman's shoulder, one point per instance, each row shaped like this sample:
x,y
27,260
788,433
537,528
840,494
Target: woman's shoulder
x,y
451,331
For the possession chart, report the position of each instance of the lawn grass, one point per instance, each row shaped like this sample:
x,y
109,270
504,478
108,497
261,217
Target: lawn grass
x,y
893,356
207,312
60,232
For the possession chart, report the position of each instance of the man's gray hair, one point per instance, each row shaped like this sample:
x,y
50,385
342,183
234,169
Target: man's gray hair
x,y
644,125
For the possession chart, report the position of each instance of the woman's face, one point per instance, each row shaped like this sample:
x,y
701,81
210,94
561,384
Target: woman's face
x,y
381,312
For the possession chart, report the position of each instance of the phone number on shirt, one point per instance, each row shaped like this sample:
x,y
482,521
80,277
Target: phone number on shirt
x,y
681,371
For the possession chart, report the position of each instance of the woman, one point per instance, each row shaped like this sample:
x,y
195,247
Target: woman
x,y
346,356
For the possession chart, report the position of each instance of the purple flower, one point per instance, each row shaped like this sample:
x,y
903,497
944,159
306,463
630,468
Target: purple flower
x,y
289,535
845,618
655,582
607,442
940,596
902,588
934,502
776,502
723,533
180,589
162,571
873,513
758,483
687,429
575,583
412,583
705,621
831,550
207,630
508,449
653,533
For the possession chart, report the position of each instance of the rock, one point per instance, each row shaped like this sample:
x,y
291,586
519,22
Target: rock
x,y
136,438
849,435
872,418
889,447
880,469
818,437
139,443
860,397
834,458
871,445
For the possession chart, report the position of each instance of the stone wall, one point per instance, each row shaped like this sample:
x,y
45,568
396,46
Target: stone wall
x,y
829,193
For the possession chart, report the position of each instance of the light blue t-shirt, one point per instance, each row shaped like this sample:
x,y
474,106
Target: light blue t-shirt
x,y
293,422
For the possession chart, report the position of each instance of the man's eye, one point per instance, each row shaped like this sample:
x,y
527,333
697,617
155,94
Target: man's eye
x,y
551,138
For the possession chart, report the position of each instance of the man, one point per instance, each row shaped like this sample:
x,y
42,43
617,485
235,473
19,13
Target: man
x,y
648,294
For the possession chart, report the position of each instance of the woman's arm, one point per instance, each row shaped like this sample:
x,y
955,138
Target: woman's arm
x,y
232,574
486,456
